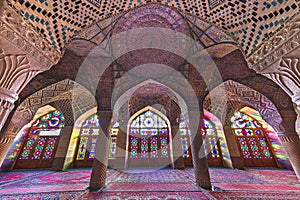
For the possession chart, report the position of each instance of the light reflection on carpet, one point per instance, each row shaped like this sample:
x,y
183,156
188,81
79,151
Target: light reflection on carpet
x,y
161,184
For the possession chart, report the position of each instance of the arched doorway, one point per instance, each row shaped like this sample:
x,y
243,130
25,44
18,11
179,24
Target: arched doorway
x,y
253,143
149,140
40,144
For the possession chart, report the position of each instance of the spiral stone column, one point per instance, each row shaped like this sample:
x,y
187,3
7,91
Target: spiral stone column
x,y
199,158
291,144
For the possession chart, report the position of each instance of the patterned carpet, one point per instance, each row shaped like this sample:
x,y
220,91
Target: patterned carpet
x,y
142,184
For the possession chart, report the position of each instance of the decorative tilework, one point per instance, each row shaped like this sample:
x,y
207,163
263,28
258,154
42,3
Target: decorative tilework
x,y
240,95
249,22
62,90
215,3
161,16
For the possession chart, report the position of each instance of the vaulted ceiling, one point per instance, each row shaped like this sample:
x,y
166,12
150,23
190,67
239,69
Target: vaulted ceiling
x,y
249,22
230,31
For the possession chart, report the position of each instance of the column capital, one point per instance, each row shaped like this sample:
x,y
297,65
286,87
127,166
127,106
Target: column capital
x,y
8,95
288,138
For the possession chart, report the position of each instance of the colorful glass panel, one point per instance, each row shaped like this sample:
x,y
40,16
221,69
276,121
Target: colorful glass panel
x,y
164,147
49,148
183,131
154,147
241,120
116,124
185,147
82,148
113,147
27,148
148,136
214,148
134,132
134,147
254,148
114,131
244,147
149,131
92,122
113,140
135,123
162,123
258,132
206,123
265,148
39,148
209,134
51,121
92,148
183,125
163,132
148,120
206,150
144,148
252,133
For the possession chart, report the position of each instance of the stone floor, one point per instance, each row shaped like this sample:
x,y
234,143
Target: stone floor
x,y
150,184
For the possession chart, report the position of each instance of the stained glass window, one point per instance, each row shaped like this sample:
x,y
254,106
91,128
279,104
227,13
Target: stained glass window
x,y
27,148
244,147
92,122
113,139
50,121
265,148
39,148
185,147
92,152
154,147
144,148
184,133
250,136
41,140
88,138
149,136
113,147
210,139
164,147
82,148
50,148
133,147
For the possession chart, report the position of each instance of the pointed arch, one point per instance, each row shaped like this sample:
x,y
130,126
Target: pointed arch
x,y
145,139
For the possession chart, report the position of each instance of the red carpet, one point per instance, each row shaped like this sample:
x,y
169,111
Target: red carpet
x,y
264,187
160,184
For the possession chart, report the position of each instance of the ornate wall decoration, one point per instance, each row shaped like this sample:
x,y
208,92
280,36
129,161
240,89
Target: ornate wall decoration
x,y
288,76
282,43
249,22
58,92
237,96
15,73
18,32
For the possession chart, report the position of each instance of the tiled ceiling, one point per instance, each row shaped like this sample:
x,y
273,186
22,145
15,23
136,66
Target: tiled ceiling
x,y
249,22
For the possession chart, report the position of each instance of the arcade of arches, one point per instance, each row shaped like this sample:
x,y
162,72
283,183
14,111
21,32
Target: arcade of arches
x,y
193,84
